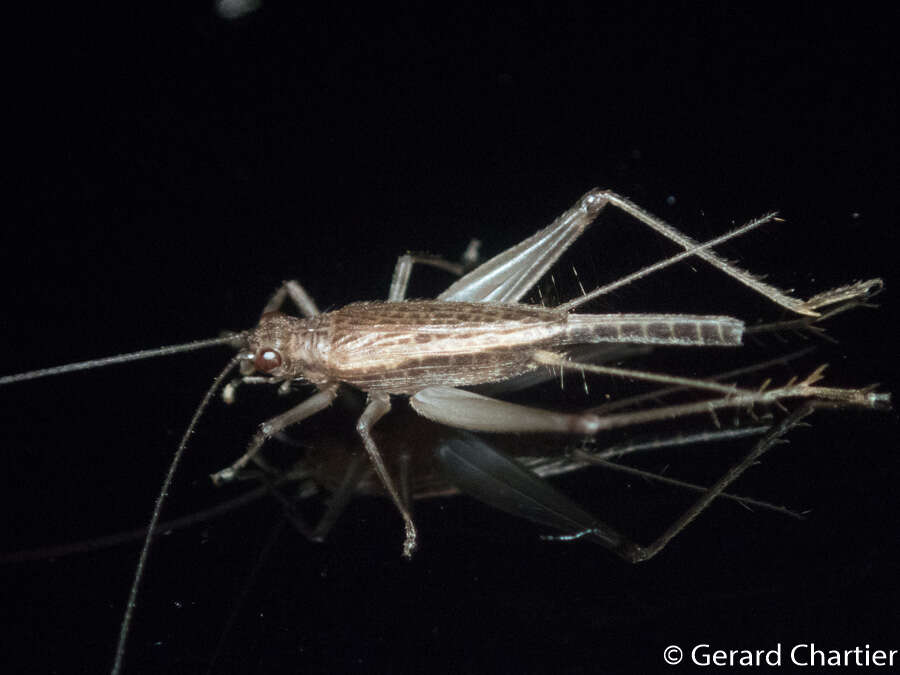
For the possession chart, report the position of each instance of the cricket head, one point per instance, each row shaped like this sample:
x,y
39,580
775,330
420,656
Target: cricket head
x,y
283,347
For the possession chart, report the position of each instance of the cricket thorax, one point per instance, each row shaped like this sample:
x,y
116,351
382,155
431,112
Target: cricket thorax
x,y
286,347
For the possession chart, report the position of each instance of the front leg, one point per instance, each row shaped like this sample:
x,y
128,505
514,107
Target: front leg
x,y
293,290
379,404
315,403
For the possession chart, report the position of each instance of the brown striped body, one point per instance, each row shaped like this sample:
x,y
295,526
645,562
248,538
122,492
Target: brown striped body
x,y
404,347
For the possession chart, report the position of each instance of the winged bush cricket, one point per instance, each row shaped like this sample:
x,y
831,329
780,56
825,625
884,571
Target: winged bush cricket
x,y
478,333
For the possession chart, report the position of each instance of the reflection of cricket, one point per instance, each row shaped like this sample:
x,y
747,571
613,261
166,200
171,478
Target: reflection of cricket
x,y
478,333
505,471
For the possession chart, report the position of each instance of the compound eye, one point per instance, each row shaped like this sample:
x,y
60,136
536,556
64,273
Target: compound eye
x,y
267,360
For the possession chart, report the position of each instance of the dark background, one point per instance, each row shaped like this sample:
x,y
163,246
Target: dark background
x,y
168,168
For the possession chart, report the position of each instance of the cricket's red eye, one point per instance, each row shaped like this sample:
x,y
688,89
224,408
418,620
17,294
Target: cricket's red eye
x,y
266,360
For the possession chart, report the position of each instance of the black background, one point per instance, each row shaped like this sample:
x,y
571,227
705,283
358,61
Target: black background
x,y
168,168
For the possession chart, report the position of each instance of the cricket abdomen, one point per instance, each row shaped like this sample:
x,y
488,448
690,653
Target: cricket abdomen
x,y
656,329
403,347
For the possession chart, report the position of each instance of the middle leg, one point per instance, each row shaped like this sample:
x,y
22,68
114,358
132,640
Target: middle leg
x,y
403,269
379,405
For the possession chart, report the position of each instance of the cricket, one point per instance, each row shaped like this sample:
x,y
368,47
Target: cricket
x,y
456,355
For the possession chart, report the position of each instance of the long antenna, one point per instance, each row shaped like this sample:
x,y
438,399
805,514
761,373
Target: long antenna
x,y
121,358
157,510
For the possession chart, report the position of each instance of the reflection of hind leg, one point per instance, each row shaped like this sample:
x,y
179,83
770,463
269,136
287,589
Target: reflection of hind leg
x,y
485,474
636,553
